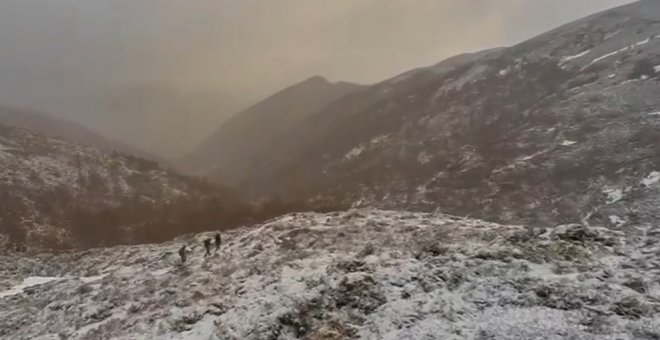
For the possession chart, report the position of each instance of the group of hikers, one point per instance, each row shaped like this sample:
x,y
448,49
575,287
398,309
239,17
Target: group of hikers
x,y
183,252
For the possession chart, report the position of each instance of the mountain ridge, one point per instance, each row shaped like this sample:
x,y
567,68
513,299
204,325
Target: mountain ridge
x,y
62,128
526,126
60,195
234,154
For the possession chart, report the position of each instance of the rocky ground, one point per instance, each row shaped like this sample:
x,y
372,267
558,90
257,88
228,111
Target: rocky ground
x,y
360,274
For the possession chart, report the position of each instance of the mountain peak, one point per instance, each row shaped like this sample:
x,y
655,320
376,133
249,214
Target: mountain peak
x,y
316,79
232,152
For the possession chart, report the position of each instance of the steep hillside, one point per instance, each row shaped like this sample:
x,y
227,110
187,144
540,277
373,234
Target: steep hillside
x,y
57,193
236,152
559,128
59,128
364,274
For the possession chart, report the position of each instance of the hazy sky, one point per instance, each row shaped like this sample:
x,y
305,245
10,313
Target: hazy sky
x,y
163,73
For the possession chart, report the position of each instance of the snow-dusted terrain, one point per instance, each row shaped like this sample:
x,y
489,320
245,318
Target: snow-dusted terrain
x,y
563,128
36,162
526,134
64,129
44,179
360,274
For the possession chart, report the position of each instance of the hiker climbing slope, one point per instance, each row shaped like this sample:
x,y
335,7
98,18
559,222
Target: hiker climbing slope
x,y
207,246
182,253
218,241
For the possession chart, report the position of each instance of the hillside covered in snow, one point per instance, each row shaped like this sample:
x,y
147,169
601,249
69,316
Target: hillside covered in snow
x,y
361,274
55,193
549,131
63,129
554,141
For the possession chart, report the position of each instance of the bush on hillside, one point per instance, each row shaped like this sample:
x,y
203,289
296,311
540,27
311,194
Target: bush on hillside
x,y
643,68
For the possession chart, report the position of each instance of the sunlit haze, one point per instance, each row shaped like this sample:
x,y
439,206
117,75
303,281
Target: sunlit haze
x,y
162,74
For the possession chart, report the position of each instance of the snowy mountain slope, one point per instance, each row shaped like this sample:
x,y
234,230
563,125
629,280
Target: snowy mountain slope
x,y
364,274
537,133
59,128
236,152
45,181
444,66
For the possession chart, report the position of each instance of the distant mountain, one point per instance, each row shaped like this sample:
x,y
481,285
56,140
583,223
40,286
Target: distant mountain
x,y
61,128
55,193
562,127
235,153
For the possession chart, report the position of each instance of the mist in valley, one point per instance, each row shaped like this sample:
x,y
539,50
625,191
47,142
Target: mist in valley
x,y
329,170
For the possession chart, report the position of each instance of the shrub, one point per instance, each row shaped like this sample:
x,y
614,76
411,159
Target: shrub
x,y
643,67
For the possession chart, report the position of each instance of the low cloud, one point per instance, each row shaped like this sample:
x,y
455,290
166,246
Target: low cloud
x,y
179,67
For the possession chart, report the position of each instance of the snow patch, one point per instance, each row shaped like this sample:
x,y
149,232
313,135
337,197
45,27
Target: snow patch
x,y
611,54
27,283
568,143
423,158
204,329
652,178
572,57
616,220
379,139
624,49
654,113
470,76
613,195
89,279
160,272
610,35
81,332
421,191
532,156
354,153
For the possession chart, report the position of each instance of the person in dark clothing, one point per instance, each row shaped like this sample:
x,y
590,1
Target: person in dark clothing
x,y
218,241
207,246
182,254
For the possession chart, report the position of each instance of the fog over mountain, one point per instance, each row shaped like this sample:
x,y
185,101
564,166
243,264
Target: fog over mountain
x,y
163,74
413,169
